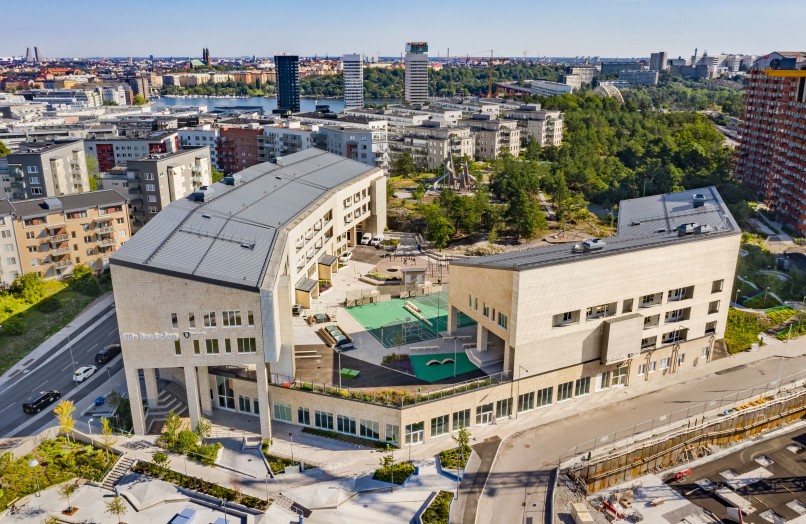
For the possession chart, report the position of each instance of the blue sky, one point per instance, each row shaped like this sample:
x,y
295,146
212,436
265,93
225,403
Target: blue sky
x,y
548,28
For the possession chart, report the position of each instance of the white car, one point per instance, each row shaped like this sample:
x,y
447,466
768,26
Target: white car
x,y
366,239
377,240
83,373
345,257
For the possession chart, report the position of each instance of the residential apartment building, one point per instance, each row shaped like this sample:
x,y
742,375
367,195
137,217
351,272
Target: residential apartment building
x,y
10,256
771,157
73,98
38,170
354,143
111,152
436,113
287,67
544,126
221,302
56,234
353,70
429,144
645,77
493,136
159,179
659,61
238,147
415,86
397,120
205,136
614,68
286,138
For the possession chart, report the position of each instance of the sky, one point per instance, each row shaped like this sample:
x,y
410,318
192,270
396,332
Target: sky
x,y
607,28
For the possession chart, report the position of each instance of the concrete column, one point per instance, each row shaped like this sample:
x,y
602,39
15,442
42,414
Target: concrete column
x,y
265,401
192,390
135,398
481,337
204,391
152,390
453,320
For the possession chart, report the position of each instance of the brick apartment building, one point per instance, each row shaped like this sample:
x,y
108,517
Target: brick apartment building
x,y
238,148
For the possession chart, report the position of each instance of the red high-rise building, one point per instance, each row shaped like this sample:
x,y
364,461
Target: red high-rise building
x,y
772,154
238,148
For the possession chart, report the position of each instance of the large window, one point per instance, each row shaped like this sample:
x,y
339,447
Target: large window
x,y
282,411
247,345
563,319
526,402
196,347
461,419
716,286
209,319
303,416
369,429
211,345
440,425
392,433
582,386
565,391
323,420
503,408
414,433
230,318
620,376
544,396
192,320
484,414
345,424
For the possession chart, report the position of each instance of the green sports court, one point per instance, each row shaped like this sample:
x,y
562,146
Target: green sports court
x,y
433,368
393,325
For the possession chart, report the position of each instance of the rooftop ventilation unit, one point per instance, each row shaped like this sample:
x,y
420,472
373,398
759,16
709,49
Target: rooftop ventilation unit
x,y
693,229
52,203
698,200
594,244
233,180
203,194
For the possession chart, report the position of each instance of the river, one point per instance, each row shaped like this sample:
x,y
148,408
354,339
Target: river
x,y
267,103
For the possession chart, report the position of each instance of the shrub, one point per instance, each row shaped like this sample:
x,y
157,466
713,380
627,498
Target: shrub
x,y
29,287
396,473
437,512
278,464
14,327
88,285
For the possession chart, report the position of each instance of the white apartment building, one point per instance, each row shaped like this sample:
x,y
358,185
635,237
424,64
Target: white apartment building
x,y
204,135
111,152
353,69
397,120
40,170
430,143
544,126
493,135
289,137
368,146
115,94
416,80
442,115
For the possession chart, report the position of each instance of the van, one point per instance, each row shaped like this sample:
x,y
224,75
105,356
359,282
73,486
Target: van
x,y
366,239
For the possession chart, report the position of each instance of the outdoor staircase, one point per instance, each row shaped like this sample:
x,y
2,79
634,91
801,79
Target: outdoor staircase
x,y
121,468
172,398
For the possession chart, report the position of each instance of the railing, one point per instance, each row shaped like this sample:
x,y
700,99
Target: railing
x,y
105,229
60,251
394,398
59,238
106,242
61,264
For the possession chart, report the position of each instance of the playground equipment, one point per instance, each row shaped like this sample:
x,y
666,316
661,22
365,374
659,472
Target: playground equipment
x,y
460,183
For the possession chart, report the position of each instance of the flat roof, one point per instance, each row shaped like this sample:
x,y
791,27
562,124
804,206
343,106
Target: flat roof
x,y
644,223
231,238
37,207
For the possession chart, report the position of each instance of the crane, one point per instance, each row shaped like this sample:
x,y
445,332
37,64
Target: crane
x,y
490,65
524,54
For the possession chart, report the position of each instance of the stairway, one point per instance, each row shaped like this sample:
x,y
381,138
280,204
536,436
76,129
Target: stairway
x,y
172,398
121,468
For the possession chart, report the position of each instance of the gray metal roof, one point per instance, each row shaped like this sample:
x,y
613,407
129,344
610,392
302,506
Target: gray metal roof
x,y
231,237
327,260
306,284
76,202
644,223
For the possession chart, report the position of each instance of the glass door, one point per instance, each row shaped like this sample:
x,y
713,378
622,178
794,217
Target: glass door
x,y
226,396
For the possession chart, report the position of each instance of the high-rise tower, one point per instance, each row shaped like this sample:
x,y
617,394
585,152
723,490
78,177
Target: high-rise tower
x,y
287,67
416,83
353,81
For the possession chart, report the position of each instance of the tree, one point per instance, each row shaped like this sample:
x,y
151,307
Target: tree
x,y
64,414
117,507
440,231
462,439
524,217
107,435
92,171
139,100
79,272
172,425
216,175
404,165
3,149
204,428
30,287
66,490
161,459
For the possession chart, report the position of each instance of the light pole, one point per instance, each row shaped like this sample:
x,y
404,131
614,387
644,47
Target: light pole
x,y
338,351
72,360
33,463
266,481
89,426
224,505
736,300
292,443
519,387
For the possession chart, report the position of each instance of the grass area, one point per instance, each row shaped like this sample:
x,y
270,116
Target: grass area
x,y
796,330
59,460
451,459
397,474
743,328
346,438
41,319
761,302
438,511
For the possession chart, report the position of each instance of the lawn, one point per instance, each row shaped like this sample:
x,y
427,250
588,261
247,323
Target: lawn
x,y
742,329
437,512
40,318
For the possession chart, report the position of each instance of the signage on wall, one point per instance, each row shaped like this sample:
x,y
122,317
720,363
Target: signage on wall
x,y
127,337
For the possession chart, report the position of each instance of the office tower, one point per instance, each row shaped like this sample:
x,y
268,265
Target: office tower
x,y
28,57
770,155
206,56
287,67
36,54
416,84
658,61
353,81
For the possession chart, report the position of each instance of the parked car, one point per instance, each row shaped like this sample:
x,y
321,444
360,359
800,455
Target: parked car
x,y
376,241
366,239
83,373
296,310
107,353
40,401
345,257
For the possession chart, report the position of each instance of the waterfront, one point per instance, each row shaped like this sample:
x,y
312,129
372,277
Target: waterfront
x,y
267,103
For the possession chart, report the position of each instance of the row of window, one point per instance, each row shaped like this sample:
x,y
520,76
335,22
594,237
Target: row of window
x,y
213,347
487,311
228,319
664,363
343,424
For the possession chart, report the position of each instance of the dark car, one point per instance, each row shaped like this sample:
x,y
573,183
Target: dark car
x,y
107,353
40,401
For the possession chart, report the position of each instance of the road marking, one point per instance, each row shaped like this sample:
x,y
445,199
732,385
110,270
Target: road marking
x,y
40,385
1,410
112,331
67,366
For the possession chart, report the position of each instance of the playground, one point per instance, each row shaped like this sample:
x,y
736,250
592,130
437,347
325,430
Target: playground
x,y
433,368
399,322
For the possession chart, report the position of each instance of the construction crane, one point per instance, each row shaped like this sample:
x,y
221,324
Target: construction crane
x,y
478,54
524,54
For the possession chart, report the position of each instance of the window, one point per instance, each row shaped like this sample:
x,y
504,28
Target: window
x,y
664,363
209,319
32,169
303,416
212,346
439,425
485,310
174,321
502,320
582,386
414,433
620,376
247,345
710,328
244,404
651,321
87,238
151,199
151,187
282,411
152,210
192,320
681,359
503,408
322,419
345,424
230,318
717,285
149,176
196,347
563,319
461,419
627,306
704,352
177,347
392,433
255,408
36,190
369,429
31,249
649,342
120,221
713,307
603,380
602,310
641,369
34,180
250,318
227,346
30,235
675,315
484,414
475,304
526,402
650,300
678,294
672,337
544,396
653,366
565,391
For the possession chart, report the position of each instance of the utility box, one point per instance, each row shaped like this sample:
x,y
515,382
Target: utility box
x,y
581,514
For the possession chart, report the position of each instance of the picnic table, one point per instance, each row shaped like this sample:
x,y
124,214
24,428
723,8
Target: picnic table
x,y
349,373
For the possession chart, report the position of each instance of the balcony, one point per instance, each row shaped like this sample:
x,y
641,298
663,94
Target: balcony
x,y
60,251
56,239
61,264
106,242
104,230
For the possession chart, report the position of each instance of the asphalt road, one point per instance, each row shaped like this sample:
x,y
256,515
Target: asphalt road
x,y
54,370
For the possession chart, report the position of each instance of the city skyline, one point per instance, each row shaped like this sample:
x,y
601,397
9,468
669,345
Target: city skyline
x,y
607,28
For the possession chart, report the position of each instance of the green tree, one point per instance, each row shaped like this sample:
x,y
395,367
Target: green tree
x,y
139,100
440,231
404,165
64,414
173,423
161,459
107,435
92,171
204,428
524,217
216,175
117,507
3,149
66,491
29,287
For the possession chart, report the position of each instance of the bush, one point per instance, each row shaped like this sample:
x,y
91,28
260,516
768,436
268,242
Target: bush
x,y
278,464
398,473
742,329
452,460
437,512
88,285
29,287
14,327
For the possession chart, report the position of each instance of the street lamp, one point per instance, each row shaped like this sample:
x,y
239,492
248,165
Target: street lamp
x,y
224,505
89,426
519,387
736,300
72,360
266,481
33,463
